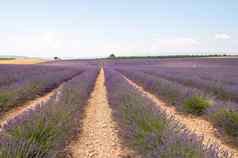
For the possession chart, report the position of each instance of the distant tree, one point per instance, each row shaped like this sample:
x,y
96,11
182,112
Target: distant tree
x,y
56,58
112,56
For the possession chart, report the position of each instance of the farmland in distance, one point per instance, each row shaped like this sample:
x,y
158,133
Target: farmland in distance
x,y
109,108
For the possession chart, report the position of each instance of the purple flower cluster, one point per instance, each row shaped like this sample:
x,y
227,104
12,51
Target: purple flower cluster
x,y
213,80
183,81
45,129
216,76
178,94
25,82
148,129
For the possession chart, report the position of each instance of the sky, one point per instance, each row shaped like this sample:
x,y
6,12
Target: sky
x,y
93,28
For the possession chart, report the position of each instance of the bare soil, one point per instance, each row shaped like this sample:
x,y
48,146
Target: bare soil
x,y
198,125
23,61
99,135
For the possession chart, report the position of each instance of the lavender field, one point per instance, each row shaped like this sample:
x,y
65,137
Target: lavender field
x,y
109,108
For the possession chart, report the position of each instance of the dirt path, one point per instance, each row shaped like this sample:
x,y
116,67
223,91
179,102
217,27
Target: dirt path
x,y
18,111
99,137
195,124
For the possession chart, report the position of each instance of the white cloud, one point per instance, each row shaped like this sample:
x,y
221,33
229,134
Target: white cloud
x,y
222,36
65,44
80,44
41,43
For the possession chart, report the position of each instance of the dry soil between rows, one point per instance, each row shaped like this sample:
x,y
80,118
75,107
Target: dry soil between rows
x,y
197,125
30,105
99,135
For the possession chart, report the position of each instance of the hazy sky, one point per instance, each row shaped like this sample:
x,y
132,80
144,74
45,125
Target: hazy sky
x,y
88,28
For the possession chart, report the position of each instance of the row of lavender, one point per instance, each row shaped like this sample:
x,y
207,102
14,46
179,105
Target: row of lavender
x,y
223,114
43,132
221,82
216,76
147,129
11,74
19,83
176,62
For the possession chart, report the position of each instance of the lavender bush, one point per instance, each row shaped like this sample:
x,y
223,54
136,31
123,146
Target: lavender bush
x,y
180,96
42,132
203,78
19,73
196,105
33,81
147,130
213,75
228,121
174,94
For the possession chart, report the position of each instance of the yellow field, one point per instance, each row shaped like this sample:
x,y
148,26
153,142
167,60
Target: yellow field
x,y
23,61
